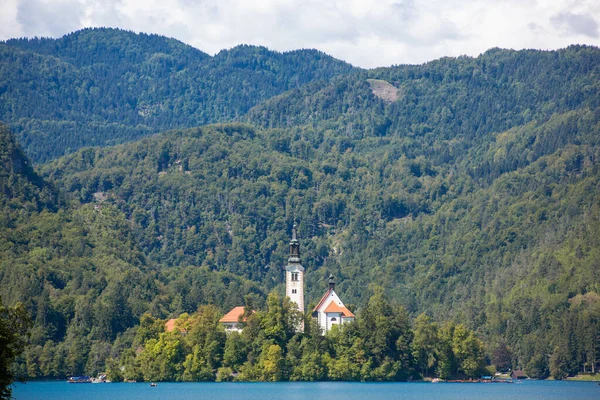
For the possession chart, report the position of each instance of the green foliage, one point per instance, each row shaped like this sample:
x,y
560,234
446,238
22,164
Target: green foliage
x,y
473,198
163,359
108,86
424,344
14,326
468,351
270,349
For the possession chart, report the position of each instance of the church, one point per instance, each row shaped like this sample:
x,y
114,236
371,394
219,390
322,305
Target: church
x,y
329,311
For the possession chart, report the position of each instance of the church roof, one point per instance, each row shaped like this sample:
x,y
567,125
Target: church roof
x,y
233,315
333,307
325,296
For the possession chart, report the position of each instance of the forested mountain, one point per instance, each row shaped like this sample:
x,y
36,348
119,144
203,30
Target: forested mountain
x,y
451,99
108,86
470,193
81,274
515,258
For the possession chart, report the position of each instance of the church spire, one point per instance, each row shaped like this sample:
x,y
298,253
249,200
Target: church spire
x,y
294,276
331,282
294,247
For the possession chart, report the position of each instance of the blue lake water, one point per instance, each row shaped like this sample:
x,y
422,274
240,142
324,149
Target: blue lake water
x,y
529,390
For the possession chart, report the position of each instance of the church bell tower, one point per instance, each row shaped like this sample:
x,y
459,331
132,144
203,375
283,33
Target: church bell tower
x,y
294,273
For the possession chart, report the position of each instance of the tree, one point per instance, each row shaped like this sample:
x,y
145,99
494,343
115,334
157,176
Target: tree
x,y
162,359
537,367
559,362
501,357
424,342
235,351
272,364
468,351
206,338
281,320
14,327
386,332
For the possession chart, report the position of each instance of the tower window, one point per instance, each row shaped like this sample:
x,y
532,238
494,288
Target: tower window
x,y
293,291
294,276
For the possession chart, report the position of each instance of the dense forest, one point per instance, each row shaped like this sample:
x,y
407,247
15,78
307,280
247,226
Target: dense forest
x,y
466,204
109,86
381,346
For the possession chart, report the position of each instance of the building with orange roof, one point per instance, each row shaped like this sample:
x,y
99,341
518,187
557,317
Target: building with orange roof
x,y
233,319
170,326
331,310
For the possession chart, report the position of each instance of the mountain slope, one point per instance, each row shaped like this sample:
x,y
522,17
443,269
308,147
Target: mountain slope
x,y
448,100
81,274
107,86
20,185
431,235
474,195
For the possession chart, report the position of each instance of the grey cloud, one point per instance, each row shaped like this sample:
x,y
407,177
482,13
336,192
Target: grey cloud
x,y
533,27
38,18
581,24
104,13
314,25
406,8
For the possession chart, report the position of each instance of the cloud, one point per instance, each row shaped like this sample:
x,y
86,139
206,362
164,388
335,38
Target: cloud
x,y
580,24
48,18
365,33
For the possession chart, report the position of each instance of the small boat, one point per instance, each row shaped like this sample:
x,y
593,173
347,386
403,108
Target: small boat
x,y
100,379
154,384
79,379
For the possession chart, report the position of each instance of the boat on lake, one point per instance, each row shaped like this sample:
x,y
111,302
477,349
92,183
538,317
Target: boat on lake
x,y
79,379
100,379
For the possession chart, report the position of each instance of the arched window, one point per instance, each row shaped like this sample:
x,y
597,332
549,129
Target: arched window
x,y
293,291
333,319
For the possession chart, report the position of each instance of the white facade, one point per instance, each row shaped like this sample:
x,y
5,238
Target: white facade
x,y
232,327
331,310
231,320
294,276
294,284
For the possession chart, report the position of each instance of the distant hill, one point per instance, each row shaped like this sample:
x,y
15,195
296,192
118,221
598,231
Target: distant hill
x,y
472,196
450,98
108,86
22,190
506,252
82,276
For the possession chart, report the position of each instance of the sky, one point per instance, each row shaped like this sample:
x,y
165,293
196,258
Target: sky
x,y
366,33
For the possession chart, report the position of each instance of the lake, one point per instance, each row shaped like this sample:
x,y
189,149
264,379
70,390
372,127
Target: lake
x,y
528,390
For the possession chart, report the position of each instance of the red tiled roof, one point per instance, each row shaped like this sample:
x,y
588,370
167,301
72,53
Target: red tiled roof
x,y
233,315
170,325
322,300
333,307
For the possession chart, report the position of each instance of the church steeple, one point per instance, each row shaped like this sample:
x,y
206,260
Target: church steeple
x,y
331,282
294,247
294,275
